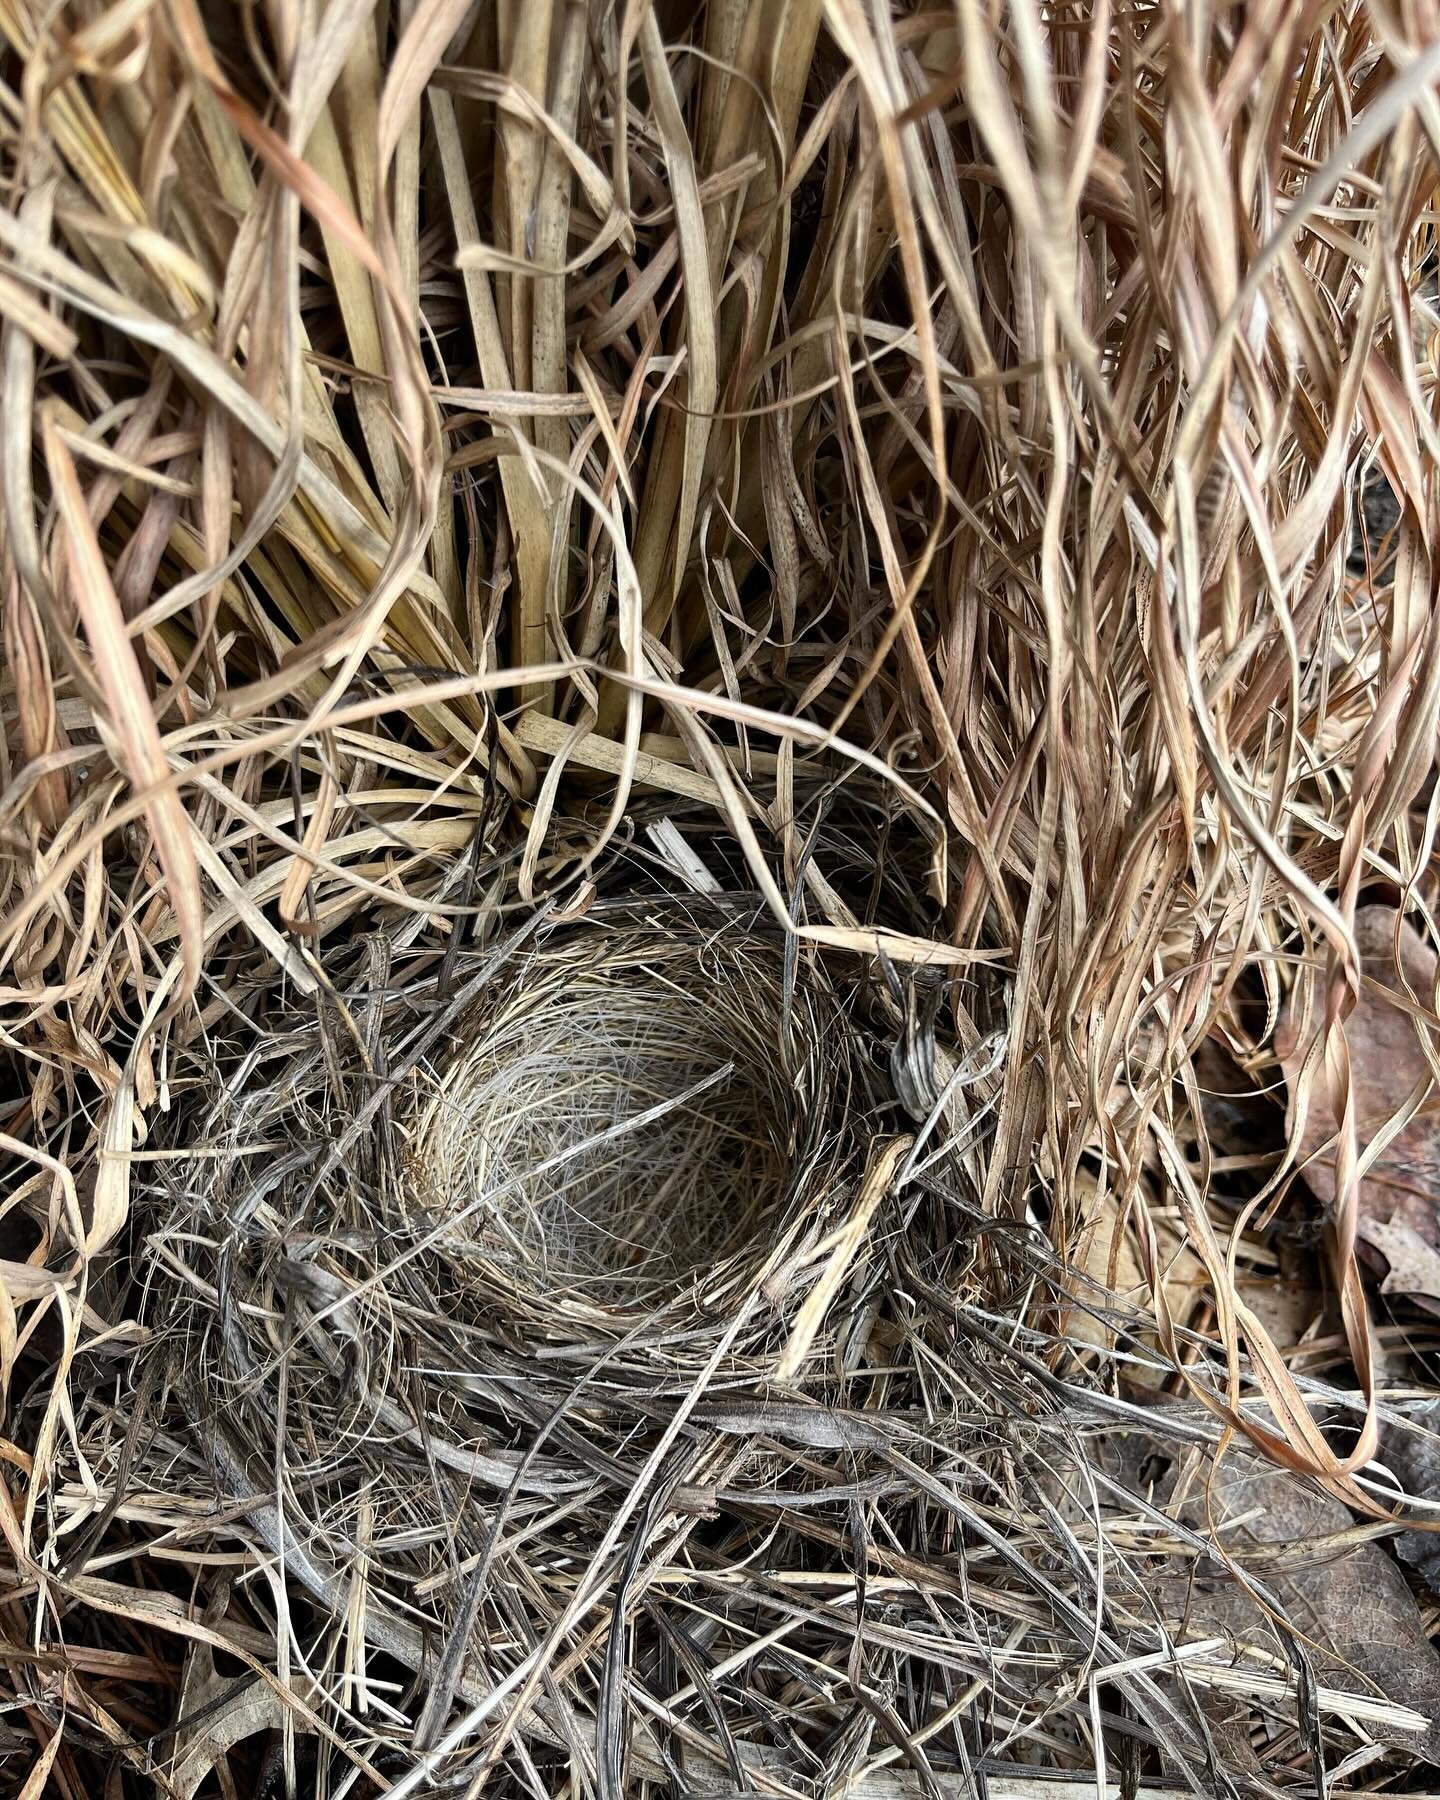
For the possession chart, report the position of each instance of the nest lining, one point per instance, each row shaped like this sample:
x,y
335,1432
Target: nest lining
x,y
621,1123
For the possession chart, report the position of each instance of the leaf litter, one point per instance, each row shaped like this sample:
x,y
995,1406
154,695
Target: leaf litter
x,y
717,963
1397,1210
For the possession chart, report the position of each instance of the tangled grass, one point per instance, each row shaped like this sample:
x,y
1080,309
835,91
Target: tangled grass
x,y
901,462
562,1490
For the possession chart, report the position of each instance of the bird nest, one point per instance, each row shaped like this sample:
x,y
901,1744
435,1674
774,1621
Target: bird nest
x,y
627,1121
588,1354
451,1270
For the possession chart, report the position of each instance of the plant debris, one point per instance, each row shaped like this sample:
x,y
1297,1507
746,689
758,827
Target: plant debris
x,y
1399,1206
717,857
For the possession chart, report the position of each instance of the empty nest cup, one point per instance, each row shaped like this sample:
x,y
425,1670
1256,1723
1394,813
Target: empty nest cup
x,y
630,1119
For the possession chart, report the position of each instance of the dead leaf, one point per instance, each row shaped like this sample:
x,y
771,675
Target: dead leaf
x,y
1104,1260
1400,1194
225,1710
1414,1263
1349,1601
136,742
1413,1457
1287,1308
1346,1604
1106,1274
1388,415
37,1781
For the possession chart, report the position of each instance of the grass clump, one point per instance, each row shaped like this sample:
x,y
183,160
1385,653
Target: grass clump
x,y
684,691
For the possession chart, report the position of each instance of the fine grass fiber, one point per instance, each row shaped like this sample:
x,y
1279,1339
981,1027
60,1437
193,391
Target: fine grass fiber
x,y
632,1119
690,692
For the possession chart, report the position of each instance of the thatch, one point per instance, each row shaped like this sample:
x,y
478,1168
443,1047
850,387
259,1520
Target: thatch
x,y
677,681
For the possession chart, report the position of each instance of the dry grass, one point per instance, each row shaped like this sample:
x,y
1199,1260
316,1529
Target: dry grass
x,y
467,466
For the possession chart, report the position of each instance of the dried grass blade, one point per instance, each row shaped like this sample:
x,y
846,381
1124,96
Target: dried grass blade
x,y
701,388
127,702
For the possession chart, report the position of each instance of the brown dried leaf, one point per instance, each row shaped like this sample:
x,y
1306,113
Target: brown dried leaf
x,y
1400,1192
1106,1273
1347,1602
